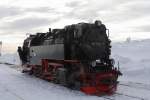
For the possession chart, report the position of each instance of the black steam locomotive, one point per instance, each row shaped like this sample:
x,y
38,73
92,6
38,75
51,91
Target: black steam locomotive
x,y
77,56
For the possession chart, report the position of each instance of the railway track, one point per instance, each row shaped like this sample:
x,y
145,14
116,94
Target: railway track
x,y
123,94
119,96
136,85
126,96
8,91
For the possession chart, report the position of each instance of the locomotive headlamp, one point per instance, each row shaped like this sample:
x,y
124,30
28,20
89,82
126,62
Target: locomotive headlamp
x,y
93,63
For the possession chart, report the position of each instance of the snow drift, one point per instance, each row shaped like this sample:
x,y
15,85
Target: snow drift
x,y
134,58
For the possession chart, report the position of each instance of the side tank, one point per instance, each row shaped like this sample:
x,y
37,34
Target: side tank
x,y
47,52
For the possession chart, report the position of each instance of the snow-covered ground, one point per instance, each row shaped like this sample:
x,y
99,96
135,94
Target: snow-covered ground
x,y
10,58
134,58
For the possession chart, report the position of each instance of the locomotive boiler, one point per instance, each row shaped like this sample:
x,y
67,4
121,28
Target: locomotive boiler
x,y
77,56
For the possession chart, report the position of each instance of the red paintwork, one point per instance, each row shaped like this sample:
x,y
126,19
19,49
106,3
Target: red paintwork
x,y
99,87
94,84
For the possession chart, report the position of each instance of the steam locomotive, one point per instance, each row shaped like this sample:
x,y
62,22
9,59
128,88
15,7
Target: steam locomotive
x,y
77,56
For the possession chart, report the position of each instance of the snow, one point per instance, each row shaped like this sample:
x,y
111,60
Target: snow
x,y
134,58
18,86
10,58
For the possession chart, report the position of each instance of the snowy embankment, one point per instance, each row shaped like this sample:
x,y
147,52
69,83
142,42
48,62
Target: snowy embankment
x,y
134,58
10,59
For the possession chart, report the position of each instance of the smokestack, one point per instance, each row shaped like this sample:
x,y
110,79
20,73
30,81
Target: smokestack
x,y
49,30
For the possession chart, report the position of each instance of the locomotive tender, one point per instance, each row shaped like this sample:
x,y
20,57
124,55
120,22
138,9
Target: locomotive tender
x,y
77,56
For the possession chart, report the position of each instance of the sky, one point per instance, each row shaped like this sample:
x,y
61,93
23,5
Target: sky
x,y
124,18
